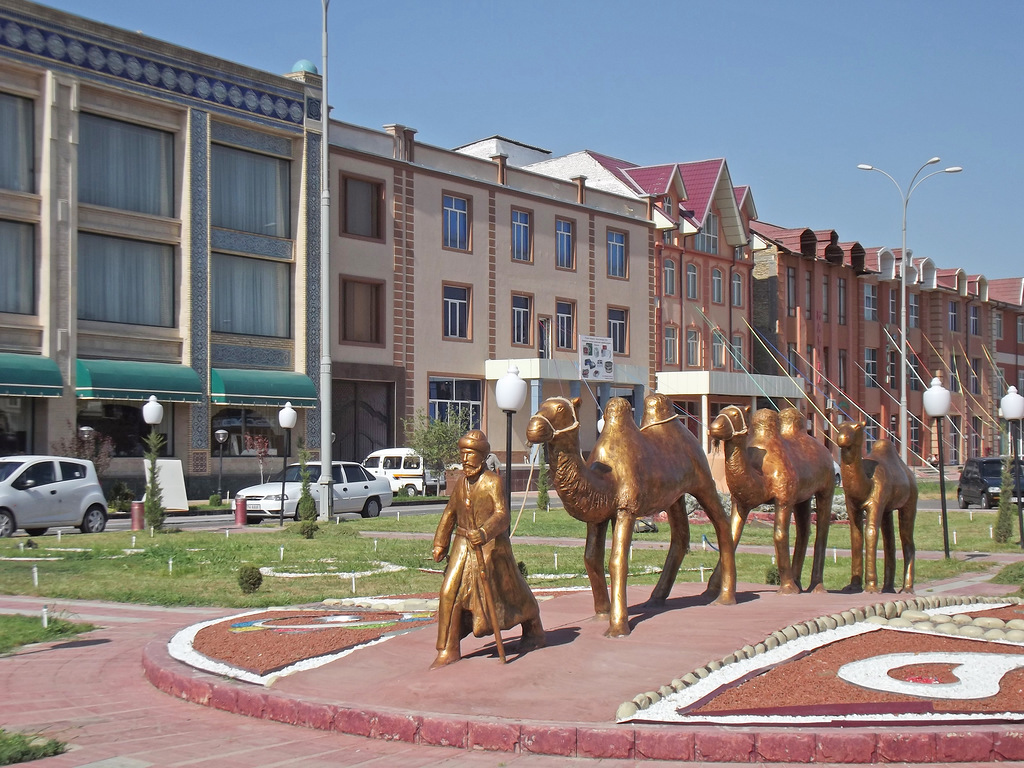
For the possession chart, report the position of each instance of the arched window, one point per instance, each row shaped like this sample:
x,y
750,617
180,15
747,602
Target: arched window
x,y
691,281
716,286
670,277
737,290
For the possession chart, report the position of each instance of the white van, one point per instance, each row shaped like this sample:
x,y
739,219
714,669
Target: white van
x,y
404,468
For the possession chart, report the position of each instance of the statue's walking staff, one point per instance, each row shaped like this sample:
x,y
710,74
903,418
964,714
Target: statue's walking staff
x,y
492,613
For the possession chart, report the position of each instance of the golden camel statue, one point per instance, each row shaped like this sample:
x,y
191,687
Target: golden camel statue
x,y
772,459
875,486
632,472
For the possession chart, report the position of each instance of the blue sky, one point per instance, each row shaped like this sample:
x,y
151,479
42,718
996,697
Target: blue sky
x,y
793,94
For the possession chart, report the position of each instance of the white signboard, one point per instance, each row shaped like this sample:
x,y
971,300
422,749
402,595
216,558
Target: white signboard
x,y
172,484
596,358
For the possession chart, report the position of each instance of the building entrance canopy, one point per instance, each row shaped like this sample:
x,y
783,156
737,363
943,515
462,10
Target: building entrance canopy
x,y
131,380
29,375
236,386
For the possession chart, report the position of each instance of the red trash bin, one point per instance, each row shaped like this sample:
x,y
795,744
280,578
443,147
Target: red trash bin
x,y
240,512
138,515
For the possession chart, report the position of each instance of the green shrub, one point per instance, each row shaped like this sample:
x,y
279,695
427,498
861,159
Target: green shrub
x,y
771,575
120,498
1004,518
543,480
154,505
216,500
523,569
306,510
22,747
249,578
308,528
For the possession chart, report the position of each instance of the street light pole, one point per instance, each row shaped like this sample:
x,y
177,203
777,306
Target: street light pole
x,y
510,395
904,265
326,381
936,405
1012,406
286,418
222,437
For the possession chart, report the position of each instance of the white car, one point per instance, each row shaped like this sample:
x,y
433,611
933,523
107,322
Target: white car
x,y
38,492
355,490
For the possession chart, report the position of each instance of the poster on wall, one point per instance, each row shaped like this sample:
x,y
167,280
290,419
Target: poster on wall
x,y
596,358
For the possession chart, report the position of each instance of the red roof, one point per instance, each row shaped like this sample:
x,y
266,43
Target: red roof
x,y
653,180
787,238
617,168
1009,290
700,179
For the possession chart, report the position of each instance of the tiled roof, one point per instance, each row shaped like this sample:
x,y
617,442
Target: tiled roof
x,y
1007,289
700,179
787,238
947,278
652,179
616,168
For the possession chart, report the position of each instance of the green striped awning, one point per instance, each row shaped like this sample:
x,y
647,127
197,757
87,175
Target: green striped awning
x,y
130,380
235,386
29,375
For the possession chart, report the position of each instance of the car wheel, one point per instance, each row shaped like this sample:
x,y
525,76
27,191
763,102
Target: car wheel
x,y
36,531
7,525
986,501
839,480
960,500
371,508
410,490
95,520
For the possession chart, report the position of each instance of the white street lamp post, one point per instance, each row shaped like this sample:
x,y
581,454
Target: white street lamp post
x,y
1012,406
286,418
936,404
326,449
904,266
510,395
222,437
153,414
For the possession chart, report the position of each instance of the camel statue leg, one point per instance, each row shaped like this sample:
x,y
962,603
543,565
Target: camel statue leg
x,y
871,517
888,550
787,584
908,513
802,519
679,545
856,521
723,580
593,560
823,507
618,568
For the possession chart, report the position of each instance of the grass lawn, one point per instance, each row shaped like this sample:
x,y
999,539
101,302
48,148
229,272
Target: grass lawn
x,y
16,630
201,568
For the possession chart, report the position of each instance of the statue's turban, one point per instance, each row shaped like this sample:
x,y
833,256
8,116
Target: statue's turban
x,y
475,440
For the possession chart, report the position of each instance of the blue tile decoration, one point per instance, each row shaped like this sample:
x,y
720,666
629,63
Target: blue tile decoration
x,y
133,68
258,141
251,243
199,333
249,356
313,231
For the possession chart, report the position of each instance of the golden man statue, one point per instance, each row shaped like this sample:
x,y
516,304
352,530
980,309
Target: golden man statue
x,y
483,591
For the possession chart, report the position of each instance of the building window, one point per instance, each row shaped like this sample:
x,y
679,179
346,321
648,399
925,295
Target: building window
x,y
891,369
17,169
565,244
997,324
716,286
892,305
954,376
455,223
364,201
250,192
974,323
456,312
565,322
870,301
809,360
871,368
954,316
737,290
738,363
691,281
246,428
914,374
452,398
717,349
808,295
669,272
125,281
362,310
1020,328
616,253
671,344
126,166
841,300
522,239
975,377
976,436
618,329
707,239
250,296
791,291
955,436
522,319
913,310
841,373
824,298
18,266
692,348
915,437
871,432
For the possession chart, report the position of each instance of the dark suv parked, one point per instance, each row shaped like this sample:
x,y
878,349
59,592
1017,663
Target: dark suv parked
x,y
980,482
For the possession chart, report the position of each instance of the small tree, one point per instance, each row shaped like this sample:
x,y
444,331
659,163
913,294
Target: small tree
x,y
97,448
307,506
436,440
260,445
1004,518
154,505
543,480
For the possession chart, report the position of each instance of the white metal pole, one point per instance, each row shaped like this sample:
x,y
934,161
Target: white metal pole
x,y
326,448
